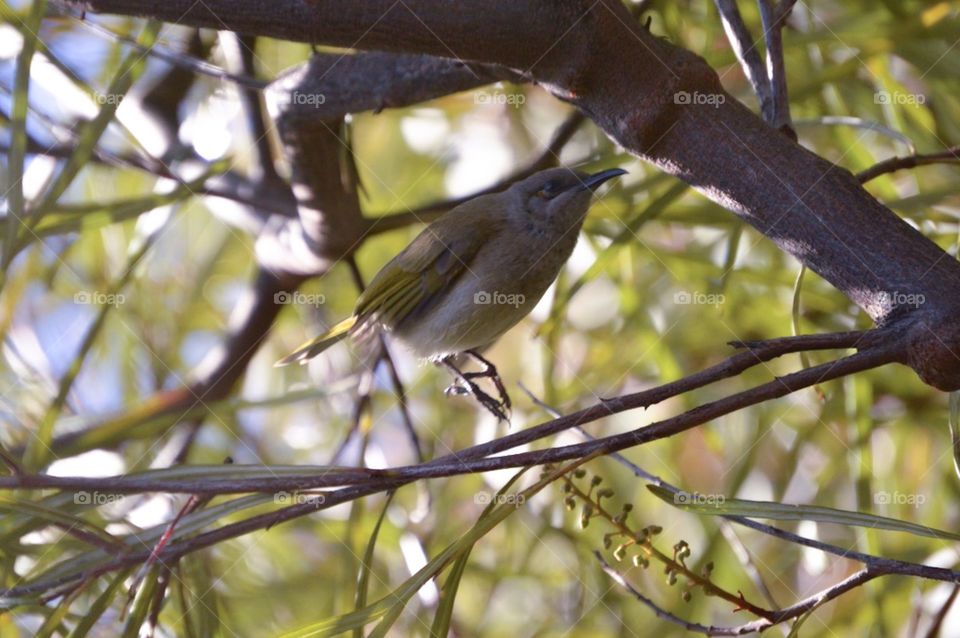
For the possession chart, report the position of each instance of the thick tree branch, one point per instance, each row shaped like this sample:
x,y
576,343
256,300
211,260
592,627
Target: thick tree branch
x,y
309,104
425,25
576,49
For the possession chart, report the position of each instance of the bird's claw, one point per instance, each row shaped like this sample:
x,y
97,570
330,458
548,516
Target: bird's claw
x,y
456,390
465,385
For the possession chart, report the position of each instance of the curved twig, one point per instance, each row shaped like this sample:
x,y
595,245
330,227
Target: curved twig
x,y
782,615
550,156
949,156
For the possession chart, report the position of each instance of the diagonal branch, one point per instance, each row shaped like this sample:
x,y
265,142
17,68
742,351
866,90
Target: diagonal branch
x,y
363,482
479,457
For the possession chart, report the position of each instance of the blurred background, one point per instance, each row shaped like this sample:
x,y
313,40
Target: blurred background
x,y
128,281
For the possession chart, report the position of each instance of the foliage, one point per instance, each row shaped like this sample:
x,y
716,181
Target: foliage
x,y
120,282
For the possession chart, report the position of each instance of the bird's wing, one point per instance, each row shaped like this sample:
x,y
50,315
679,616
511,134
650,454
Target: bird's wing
x,y
432,261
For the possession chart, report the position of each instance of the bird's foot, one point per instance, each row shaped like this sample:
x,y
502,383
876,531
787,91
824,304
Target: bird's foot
x,y
464,384
490,372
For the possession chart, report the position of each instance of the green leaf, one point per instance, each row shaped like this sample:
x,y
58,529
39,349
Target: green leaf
x,y
363,582
385,608
54,622
63,519
129,71
627,235
18,133
76,566
99,606
84,217
954,423
39,447
142,603
784,512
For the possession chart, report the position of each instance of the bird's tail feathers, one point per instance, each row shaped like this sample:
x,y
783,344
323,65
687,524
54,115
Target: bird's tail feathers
x,y
318,344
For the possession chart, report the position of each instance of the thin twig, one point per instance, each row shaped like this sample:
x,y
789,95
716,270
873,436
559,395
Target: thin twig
x,y
177,58
368,481
743,47
238,50
949,156
478,458
875,562
761,527
937,623
9,461
360,406
230,185
772,17
395,380
156,605
550,156
746,560
783,615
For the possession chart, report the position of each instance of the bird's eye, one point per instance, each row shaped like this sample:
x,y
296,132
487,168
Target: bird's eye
x,y
549,191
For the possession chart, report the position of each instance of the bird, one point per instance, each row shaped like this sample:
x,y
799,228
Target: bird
x,y
471,275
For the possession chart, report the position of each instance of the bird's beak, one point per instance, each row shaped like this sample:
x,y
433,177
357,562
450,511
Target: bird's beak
x,y
593,182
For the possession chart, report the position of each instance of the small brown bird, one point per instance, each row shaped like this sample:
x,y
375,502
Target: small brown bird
x,y
473,274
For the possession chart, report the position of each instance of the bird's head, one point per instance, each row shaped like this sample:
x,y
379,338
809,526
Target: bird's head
x,y
556,198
